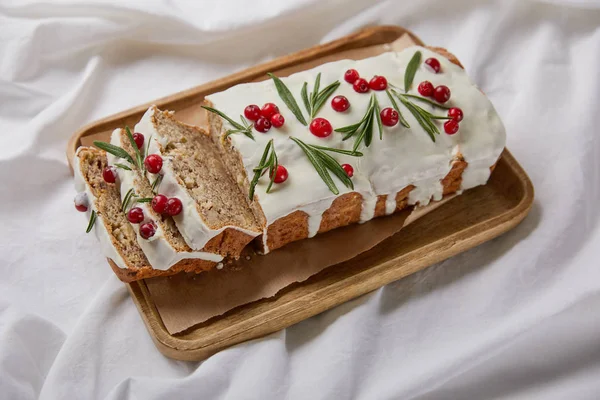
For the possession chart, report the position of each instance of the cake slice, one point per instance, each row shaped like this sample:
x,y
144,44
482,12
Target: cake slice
x,y
214,217
102,204
165,247
352,140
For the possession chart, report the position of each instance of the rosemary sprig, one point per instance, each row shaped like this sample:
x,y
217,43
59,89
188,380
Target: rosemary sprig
x,y
244,127
127,199
411,70
114,150
423,117
324,164
364,128
315,101
122,166
138,157
425,100
395,105
288,98
144,200
269,162
93,217
156,183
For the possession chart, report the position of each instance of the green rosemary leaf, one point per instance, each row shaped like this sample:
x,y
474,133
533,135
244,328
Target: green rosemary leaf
x,y
323,96
411,70
156,183
427,117
225,117
419,118
368,129
272,170
288,98
317,164
377,112
257,172
122,166
335,167
147,146
144,200
349,128
395,105
93,217
315,91
114,150
340,151
245,121
425,100
304,95
127,199
438,117
136,150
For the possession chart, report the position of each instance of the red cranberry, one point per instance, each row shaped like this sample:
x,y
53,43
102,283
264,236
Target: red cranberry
x,y
252,112
456,114
378,83
441,94
351,76
277,120
389,116
262,125
320,127
147,230
174,206
361,85
153,163
135,215
81,202
159,203
349,170
451,126
268,110
109,174
340,103
426,89
434,64
281,174
138,138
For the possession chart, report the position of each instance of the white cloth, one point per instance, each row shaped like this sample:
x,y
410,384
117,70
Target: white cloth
x,y
515,318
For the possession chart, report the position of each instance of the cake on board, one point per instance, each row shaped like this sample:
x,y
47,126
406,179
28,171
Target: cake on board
x,y
288,158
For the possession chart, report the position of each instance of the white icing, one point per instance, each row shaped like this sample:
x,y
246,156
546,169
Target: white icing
x,y
159,252
367,211
190,224
403,157
390,204
99,229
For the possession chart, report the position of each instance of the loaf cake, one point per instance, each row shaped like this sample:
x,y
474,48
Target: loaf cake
x,y
403,133
339,144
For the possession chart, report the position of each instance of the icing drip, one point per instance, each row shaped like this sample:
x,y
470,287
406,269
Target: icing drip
x,y
368,208
99,229
314,222
390,204
159,252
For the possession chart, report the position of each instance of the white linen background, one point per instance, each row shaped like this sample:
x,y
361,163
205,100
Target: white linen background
x,y
515,318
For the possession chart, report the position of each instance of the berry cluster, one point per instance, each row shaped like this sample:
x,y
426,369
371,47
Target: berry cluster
x,y
360,85
264,117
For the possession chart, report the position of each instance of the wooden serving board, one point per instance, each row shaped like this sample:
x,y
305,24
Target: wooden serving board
x,y
477,216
